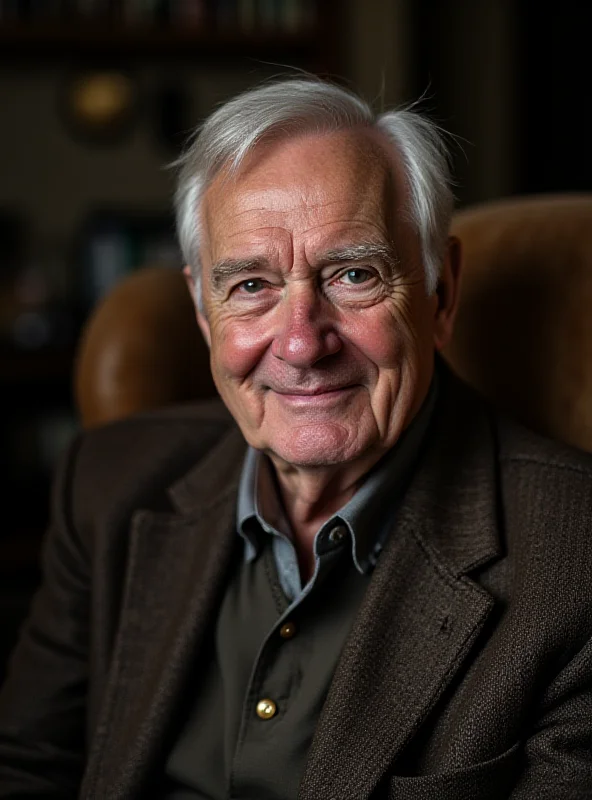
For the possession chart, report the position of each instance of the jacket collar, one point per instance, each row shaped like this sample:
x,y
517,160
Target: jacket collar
x,y
452,504
213,479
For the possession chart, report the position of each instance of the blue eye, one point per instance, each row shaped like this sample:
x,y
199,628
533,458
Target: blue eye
x,y
357,276
253,285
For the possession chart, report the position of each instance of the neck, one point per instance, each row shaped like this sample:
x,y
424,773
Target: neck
x,y
310,497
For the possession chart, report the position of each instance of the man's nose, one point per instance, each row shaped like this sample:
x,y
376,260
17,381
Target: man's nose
x,y
305,332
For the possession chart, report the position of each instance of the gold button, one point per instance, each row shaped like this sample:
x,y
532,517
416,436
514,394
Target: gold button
x,y
266,709
288,630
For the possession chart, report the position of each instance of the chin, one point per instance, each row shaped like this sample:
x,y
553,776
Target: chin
x,y
318,445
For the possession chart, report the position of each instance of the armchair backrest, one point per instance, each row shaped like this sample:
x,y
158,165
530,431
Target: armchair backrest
x,y
523,334
141,349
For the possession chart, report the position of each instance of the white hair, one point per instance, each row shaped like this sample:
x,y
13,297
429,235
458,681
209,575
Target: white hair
x,y
296,106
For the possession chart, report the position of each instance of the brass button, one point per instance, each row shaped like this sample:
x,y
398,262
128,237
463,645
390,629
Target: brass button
x,y
288,630
266,709
337,534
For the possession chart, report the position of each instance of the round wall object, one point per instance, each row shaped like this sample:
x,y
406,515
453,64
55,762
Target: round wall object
x,y
100,107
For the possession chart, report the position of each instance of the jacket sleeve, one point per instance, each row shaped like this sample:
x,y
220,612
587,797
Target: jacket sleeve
x,y
558,752
42,702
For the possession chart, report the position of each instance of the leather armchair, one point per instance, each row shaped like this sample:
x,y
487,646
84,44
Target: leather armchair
x,y
523,335
141,349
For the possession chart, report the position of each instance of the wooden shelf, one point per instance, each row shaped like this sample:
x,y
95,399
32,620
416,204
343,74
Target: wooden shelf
x,y
32,42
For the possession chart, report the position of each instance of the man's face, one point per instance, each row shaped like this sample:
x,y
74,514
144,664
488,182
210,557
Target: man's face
x,y
321,334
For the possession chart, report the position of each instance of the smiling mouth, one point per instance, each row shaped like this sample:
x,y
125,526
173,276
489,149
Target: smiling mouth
x,y
317,395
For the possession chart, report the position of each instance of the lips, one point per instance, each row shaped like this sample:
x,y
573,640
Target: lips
x,y
311,392
321,397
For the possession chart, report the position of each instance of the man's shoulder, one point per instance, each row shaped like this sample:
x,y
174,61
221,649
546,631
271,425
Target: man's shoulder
x,y
518,444
522,448
539,495
133,462
191,426
546,494
540,479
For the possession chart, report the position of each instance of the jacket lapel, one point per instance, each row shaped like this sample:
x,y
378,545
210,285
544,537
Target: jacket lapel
x,y
421,613
176,573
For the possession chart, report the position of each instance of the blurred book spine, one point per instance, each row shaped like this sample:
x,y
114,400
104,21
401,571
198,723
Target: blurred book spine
x,y
92,9
268,14
248,16
108,258
293,15
225,14
285,16
137,12
191,13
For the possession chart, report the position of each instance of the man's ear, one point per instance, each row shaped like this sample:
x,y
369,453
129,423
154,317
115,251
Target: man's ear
x,y
194,291
448,293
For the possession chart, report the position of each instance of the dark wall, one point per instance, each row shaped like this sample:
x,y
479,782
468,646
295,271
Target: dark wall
x,y
510,79
554,73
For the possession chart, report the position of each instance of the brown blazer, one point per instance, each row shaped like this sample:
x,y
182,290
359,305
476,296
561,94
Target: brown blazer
x,y
468,670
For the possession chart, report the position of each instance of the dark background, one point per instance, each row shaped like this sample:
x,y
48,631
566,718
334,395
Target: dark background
x,y
82,205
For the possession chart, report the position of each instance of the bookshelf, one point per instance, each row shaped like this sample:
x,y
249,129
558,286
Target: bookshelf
x,y
285,32
194,29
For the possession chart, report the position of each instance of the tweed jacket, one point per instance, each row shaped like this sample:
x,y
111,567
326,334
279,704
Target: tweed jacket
x,y
467,672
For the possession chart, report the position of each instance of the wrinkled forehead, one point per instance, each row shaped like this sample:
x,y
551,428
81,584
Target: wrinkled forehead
x,y
358,171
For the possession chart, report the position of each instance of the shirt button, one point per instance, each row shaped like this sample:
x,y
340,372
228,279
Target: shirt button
x,y
288,630
337,534
266,709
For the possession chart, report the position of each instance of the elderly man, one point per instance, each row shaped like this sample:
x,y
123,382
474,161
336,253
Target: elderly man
x,y
364,583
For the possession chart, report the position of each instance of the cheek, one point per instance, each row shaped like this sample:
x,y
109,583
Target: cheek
x,y
397,332
237,348
379,338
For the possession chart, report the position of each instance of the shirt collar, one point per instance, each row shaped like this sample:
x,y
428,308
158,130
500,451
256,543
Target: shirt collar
x,y
257,471
368,515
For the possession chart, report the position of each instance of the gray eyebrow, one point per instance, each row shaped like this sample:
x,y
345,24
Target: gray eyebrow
x,y
363,252
228,268
223,270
